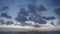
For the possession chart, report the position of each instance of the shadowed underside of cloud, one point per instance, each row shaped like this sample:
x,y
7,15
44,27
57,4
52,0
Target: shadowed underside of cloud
x,y
4,12
21,18
40,21
49,18
5,15
37,19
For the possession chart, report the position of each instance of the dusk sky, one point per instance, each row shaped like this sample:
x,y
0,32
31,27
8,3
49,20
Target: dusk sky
x,y
36,13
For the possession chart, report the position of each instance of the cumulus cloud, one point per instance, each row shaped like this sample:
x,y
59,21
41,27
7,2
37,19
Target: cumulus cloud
x,y
32,14
35,16
21,17
5,15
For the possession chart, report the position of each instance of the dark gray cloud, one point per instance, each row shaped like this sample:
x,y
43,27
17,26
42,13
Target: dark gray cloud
x,y
2,22
41,8
57,11
5,15
41,21
23,11
38,19
9,22
32,8
21,17
35,16
4,8
49,18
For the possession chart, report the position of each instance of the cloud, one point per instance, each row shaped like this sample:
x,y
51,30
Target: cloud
x,y
38,19
52,23
58,23
57,11
9,22
23,11
5,15
31,8
41,8
49,18
2,22
21,18
32,14
41,21
4,8
34,9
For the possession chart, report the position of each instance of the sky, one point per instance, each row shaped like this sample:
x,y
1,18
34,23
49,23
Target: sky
x,y
15,6
36,13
